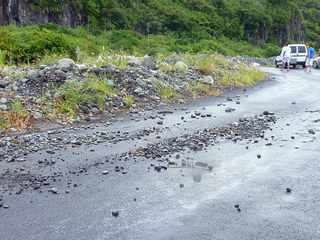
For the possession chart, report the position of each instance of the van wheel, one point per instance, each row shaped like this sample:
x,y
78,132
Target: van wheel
x,y
304,65
294,66
315,65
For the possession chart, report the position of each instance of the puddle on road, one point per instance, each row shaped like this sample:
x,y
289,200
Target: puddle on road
x,y
197,177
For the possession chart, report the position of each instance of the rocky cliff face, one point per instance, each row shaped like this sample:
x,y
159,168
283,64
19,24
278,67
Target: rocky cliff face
x,y
294,30
74,13
23,12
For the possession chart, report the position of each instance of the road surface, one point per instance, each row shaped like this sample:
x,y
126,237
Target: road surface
x,y
248,189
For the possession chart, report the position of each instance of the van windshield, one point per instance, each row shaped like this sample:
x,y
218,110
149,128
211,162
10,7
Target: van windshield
x,y
293,49
302,49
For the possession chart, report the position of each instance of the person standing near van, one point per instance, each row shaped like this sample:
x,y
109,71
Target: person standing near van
x,y
286,57
310,58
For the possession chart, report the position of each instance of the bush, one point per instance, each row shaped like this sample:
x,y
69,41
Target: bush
x,y
46,43
123,40
28,44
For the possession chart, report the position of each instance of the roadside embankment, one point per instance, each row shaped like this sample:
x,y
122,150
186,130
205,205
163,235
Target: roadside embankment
x,y
67,92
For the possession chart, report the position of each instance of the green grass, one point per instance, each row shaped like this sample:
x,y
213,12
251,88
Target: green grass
x,y
46,44
16,117
105,58
198,89
3,122
17,75
128,101
166,92
167,68
73,94
2,58
227,73
243,77
51,58
17,106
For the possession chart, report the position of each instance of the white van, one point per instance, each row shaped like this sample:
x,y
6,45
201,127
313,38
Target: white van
x,y
298,56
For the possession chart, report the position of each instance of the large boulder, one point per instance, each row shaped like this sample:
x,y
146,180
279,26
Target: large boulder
x,y
181,67
65,64
148,62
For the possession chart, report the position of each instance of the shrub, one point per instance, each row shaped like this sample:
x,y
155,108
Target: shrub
x,y
28,44
47,42
123,40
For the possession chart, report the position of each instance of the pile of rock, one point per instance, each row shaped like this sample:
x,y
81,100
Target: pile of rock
x,y
39,80
140,79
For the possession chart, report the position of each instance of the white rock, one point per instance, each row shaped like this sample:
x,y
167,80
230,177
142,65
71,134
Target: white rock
x,y
37,115
14,87
3,100
207,80
65,64
3,107
148,61
82,67
181,67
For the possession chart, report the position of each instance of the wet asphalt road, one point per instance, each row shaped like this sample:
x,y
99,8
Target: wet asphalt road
x,y
154,205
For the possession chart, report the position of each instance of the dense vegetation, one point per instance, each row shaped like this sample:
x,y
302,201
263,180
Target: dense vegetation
x,y
256,20
249,27
42,43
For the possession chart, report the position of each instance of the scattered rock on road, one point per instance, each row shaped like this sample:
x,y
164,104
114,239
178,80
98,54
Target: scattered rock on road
x,y
53,190
237,206
115,213
311,131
